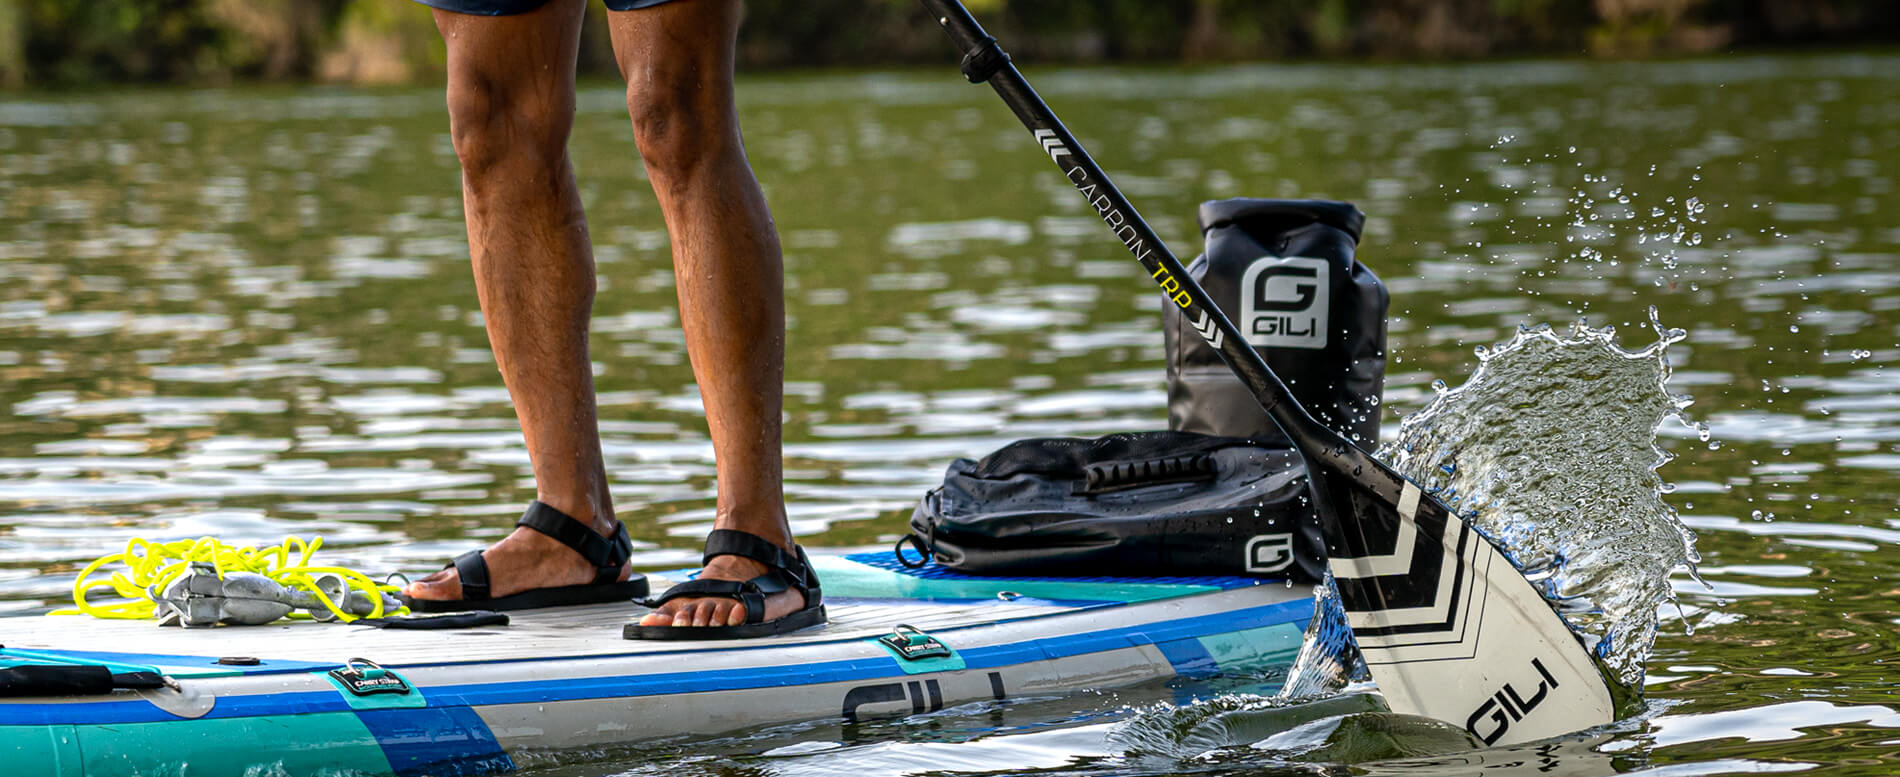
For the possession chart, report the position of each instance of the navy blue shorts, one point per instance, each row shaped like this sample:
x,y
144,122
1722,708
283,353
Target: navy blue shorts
x,y
511,7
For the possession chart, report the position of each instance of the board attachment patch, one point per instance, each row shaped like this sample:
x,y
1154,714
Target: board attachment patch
x,y
364,677
913,645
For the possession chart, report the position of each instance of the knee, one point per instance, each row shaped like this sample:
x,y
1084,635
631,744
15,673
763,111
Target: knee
x,y
497,125
680,122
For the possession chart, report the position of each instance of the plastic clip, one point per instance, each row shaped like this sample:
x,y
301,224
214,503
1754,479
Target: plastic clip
x,y
983,61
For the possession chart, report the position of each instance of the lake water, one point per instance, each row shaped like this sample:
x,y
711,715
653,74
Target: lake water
x,y
249,313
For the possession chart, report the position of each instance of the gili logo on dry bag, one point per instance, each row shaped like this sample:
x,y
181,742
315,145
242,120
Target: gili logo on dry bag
x,y
1283,302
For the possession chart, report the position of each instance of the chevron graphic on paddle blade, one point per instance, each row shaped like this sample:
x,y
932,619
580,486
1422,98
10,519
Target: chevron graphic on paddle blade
x,y
1449,629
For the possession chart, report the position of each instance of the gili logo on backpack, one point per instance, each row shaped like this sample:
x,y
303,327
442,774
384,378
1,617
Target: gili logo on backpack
x,y
1269,552
1283,302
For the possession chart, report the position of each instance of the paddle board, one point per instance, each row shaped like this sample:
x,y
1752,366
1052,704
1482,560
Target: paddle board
x,y
302,697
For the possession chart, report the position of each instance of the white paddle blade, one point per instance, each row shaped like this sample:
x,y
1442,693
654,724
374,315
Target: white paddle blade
x,y
1451,630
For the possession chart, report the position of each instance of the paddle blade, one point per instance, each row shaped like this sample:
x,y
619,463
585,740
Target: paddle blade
x,y
1450,629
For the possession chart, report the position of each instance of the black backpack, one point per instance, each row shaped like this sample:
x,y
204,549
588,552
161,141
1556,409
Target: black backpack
x,y
1138,504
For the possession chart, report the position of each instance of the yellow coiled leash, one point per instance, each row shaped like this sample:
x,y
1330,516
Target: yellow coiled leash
x,y
151,566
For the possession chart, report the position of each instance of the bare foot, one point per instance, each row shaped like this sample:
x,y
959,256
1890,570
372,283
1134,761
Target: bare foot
x,y
522,561
720,611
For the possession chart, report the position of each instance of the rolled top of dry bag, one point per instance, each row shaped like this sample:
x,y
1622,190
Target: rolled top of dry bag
x,y
1284,271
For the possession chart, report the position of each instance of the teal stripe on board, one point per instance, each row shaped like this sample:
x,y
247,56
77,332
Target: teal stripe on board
x,y
1255,650
848,579
52,750
318,743
21,657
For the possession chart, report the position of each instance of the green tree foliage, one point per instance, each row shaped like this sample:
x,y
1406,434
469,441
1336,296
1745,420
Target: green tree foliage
x,y
81,42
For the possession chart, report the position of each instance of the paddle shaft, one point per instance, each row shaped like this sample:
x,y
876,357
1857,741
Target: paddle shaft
x,y
983,61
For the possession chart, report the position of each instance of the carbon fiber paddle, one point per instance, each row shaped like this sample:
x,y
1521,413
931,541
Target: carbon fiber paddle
x,y
1450,629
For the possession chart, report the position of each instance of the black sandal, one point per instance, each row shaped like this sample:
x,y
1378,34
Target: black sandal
x,y
607,555
784,571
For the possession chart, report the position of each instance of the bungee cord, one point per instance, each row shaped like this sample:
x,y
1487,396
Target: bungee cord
x,y
149,567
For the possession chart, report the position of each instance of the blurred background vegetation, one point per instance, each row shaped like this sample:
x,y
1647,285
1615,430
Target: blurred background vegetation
x,y
78,43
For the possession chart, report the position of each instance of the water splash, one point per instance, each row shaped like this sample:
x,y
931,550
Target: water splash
x,y
1319,688
1550,449
1328,660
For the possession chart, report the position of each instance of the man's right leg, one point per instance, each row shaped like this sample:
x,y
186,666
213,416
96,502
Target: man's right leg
x,y
511,104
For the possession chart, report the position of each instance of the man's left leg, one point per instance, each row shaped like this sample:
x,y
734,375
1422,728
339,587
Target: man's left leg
x,y
678,61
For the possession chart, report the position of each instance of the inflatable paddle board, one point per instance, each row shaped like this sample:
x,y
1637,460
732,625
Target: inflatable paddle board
x,y
303,698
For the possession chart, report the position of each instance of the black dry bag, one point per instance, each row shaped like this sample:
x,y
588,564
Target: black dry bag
x,y
1284,272
1139,504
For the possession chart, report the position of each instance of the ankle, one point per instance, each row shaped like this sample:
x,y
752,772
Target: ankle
x,y
586,510
776,530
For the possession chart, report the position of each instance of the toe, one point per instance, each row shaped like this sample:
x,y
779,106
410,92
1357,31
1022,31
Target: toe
x,y
735,615
437,587
703,613
660,617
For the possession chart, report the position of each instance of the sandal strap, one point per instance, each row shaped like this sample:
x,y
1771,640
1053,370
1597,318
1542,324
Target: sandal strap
x,y
607,555
784,571
731,542
747,592
813,595
472,570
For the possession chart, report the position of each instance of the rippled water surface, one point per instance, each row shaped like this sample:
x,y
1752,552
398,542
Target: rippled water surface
x,y
249,314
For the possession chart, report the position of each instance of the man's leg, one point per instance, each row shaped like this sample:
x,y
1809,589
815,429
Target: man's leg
x,y
677,59
511,104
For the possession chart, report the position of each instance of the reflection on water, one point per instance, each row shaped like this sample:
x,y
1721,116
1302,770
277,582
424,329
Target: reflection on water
x,y
248,313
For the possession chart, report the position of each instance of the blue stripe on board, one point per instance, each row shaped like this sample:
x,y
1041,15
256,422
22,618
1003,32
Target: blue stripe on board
x,y
436,742
1189,657
888,562
107,712
532,691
